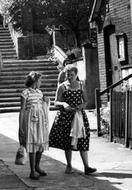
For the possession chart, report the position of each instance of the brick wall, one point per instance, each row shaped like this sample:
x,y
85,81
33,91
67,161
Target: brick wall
x,y
120,10
101,59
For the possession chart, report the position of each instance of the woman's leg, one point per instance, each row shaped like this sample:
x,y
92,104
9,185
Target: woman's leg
x,y
87,169
33,174
84,156
68,155
37,164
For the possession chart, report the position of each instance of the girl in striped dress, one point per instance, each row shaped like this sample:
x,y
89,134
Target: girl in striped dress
x,y
33,123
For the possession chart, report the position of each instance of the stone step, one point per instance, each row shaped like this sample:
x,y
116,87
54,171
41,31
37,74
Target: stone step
x,y
29,61
17,109
22,85
6,43
3,29
5,33
5,37
5,40
24,69
16,92
22,81
6,46
19,73
23,77
8,51
16,97
42,64
9,56
44,90
7,102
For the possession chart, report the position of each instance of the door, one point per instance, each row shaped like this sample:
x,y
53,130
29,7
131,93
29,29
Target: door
x,y
107,31
115,65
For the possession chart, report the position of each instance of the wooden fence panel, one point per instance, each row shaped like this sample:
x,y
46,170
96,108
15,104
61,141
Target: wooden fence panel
x,y
118,114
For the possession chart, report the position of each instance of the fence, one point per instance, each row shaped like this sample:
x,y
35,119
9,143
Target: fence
x,y
120,126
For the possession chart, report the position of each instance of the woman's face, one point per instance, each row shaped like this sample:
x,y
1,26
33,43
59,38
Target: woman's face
x,y
71,76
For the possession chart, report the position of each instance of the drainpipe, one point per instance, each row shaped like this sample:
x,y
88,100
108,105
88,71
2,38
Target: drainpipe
x,y
131,14
1,62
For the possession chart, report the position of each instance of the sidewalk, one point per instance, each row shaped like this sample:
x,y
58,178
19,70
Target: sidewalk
x,y
113,161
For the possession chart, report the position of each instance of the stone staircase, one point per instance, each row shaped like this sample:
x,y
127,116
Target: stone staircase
x,y
14,72
12,79
7,47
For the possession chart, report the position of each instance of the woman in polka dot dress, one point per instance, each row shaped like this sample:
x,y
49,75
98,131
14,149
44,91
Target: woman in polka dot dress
x,y
71,98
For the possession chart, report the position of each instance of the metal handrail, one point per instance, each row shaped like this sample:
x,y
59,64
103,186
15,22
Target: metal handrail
x,y
116,84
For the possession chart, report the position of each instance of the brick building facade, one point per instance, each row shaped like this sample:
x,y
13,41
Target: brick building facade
x,y
113,20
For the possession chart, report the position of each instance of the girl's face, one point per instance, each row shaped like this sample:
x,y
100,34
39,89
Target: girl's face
x,y
71,76
38,83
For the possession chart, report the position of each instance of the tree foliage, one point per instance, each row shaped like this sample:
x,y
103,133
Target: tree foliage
x,y
72,14
4,5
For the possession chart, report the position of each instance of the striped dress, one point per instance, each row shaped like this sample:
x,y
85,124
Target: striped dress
x,y
35,121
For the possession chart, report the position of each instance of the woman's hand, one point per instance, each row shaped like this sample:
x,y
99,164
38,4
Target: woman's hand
x,y
67,107
79,107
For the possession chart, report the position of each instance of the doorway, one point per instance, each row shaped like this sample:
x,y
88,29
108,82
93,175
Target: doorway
x,y
107,32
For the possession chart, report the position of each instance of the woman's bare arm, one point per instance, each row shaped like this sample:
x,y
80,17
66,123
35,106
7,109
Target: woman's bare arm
x,y
84,96
59,99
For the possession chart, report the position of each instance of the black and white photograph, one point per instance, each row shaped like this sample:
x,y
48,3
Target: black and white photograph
x,y
65,94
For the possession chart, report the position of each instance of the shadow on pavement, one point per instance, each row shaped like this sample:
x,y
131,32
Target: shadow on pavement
x,y
56,178
117,175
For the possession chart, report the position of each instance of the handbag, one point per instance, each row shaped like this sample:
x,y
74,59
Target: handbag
x,y
21,156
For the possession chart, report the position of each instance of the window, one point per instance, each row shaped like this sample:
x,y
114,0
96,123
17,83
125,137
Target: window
x,y
122,49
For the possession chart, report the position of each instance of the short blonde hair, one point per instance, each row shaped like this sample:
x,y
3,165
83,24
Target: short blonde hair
x,y
71,68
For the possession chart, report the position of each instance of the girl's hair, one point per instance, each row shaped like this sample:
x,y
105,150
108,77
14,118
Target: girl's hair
x,y
31,78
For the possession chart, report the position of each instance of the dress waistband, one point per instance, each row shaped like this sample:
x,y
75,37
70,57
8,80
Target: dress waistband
x,y
29,106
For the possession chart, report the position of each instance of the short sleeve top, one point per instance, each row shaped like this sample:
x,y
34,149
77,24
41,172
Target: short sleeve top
x,y
32,96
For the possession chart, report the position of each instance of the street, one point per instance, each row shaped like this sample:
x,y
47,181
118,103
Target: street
x,y
113,161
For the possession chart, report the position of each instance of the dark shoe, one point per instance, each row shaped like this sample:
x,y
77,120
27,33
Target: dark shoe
x,y
68,170
34,176
90,170
41,172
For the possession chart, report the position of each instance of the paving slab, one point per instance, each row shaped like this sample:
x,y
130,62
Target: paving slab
x,y
56,178
8,179
113,161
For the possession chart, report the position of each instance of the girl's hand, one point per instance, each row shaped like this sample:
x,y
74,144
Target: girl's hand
x,y
46,99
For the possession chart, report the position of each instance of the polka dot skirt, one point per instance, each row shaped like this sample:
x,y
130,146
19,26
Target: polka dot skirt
x,y
60,132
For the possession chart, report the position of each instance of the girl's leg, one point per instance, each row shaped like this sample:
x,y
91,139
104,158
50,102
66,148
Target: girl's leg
x,y
87,169
37,164
33,174
68,155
